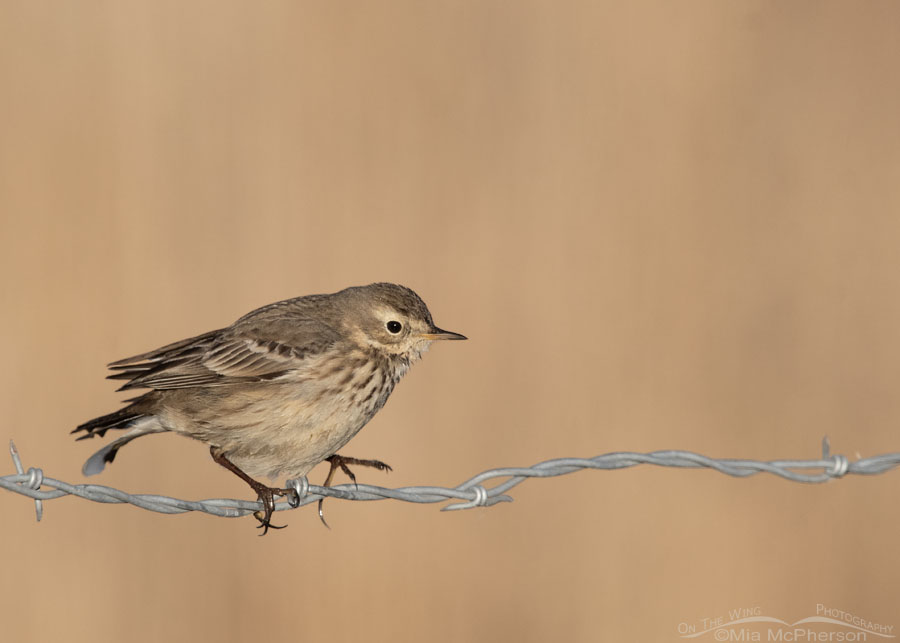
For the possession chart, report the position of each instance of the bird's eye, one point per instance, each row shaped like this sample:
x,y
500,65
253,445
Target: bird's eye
x,y
394,327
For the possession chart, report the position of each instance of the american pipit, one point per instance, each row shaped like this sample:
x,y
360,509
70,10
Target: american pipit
x,y
281,389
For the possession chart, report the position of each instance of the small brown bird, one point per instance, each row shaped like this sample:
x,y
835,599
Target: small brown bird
x,y
281,389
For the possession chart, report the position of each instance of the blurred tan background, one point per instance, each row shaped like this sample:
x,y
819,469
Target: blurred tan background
x,y
662,225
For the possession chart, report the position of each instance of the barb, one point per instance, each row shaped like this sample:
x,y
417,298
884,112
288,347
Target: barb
x,y
471,493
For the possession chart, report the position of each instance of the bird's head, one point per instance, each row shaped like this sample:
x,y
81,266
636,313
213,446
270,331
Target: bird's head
x,y
392,319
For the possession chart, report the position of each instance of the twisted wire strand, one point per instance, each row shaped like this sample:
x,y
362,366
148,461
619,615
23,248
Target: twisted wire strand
x,y
471,493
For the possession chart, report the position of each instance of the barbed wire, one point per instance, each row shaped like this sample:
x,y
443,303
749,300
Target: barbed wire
x,y
471,493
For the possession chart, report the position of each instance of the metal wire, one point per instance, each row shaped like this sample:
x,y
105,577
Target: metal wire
x,y
471,493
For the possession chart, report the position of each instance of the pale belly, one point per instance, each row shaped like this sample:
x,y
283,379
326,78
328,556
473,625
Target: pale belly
x,y
283,429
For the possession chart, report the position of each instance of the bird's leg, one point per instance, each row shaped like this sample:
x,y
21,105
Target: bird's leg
x,y
340,462
265,494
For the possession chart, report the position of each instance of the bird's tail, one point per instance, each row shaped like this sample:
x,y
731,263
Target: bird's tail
x,y
121,419
97,462
133,417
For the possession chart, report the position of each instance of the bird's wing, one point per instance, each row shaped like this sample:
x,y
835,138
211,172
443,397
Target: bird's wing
x,y
246,352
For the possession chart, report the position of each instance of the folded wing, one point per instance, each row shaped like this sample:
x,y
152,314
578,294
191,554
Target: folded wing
x,y
245,352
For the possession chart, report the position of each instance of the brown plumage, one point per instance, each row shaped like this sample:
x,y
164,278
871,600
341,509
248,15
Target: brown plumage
x,y
280,390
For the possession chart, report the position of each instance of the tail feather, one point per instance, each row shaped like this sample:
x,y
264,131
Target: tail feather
x,y
97,462
137,417
121,419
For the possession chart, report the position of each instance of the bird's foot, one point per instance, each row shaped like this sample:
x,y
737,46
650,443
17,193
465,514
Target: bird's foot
x,y
266,495
340,462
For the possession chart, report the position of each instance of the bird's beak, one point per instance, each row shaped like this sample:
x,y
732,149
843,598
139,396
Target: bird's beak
x,y
437,333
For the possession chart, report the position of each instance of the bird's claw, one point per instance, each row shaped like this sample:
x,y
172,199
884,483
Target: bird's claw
x,y
267,498
265,494
341,462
